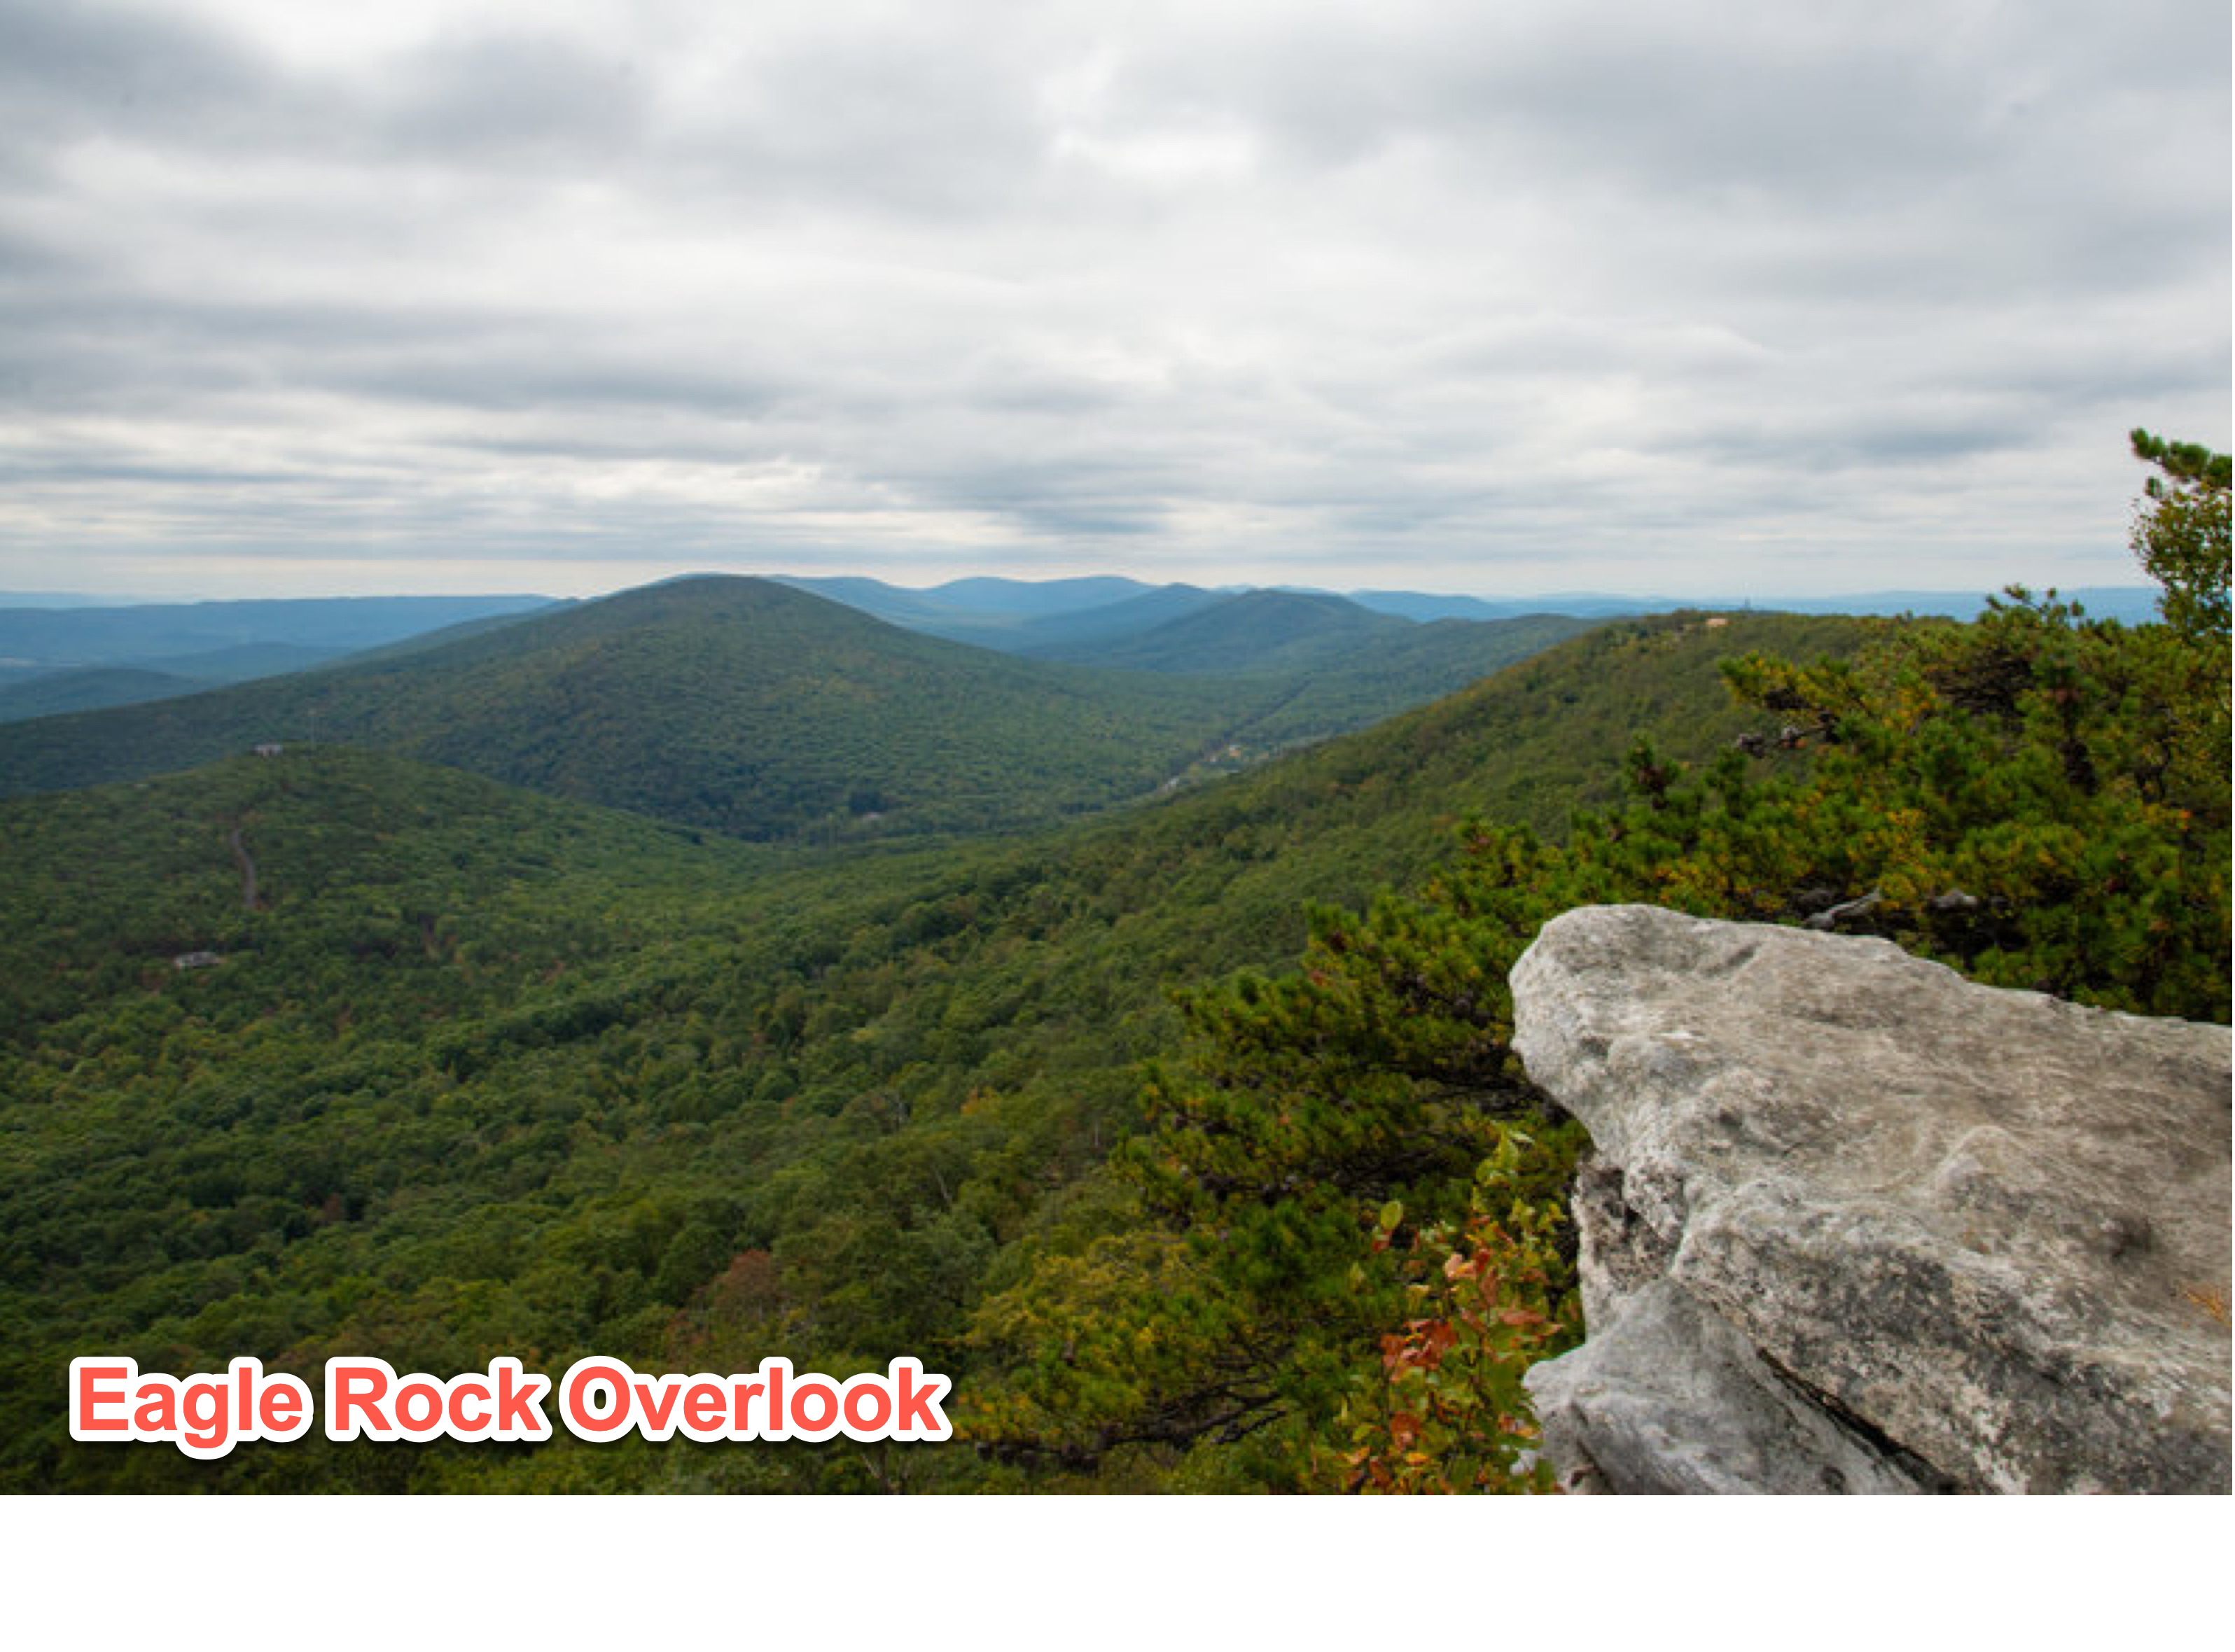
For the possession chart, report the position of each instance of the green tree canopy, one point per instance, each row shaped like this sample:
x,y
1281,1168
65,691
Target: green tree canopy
x,y
1341,1236
2181,533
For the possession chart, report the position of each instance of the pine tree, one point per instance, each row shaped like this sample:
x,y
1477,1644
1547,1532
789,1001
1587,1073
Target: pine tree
x,y
2181,534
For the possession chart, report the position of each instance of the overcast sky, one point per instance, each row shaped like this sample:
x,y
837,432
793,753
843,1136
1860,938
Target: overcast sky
x,y
462,294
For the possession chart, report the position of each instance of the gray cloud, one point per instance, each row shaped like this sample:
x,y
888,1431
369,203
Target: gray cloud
x,y
68,73
1708,298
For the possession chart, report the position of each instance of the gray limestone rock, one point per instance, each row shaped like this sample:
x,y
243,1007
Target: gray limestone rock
x,y
1856,1222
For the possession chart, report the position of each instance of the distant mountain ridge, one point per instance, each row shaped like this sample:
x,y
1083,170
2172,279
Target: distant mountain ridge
x,y
763,710
106,636
735,704
55,658
1113,621
981,609
1256,630
759,710
1014,614
86,653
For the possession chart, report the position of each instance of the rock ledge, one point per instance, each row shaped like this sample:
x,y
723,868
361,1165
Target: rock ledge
x,y
1856,1224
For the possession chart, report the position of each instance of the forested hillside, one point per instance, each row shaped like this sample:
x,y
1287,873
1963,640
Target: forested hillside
x,y
1196,1164
734,705
750,708
1341,1237
483,1071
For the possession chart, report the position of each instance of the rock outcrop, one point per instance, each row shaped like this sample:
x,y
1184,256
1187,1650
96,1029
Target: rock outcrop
x,y
1856,1224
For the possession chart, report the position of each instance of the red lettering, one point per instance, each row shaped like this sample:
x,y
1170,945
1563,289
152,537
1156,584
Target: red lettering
x,y
419,1405
284,1409
86,1396
518,1412
701,1408
203,1400
870,1389
826,1397
920,1415
353,1385
461,1425
157,1417
574,1398
655,1425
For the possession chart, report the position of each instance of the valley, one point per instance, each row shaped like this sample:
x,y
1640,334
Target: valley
x,y
634,1086
558,997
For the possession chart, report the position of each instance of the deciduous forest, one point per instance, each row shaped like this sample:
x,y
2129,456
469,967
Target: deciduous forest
x,y
575,987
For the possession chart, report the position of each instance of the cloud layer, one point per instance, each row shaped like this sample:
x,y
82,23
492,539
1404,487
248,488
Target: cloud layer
x,y
1706,298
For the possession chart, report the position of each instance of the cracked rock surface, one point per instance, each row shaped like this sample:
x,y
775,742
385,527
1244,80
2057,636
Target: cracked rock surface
x,y
1856,1224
